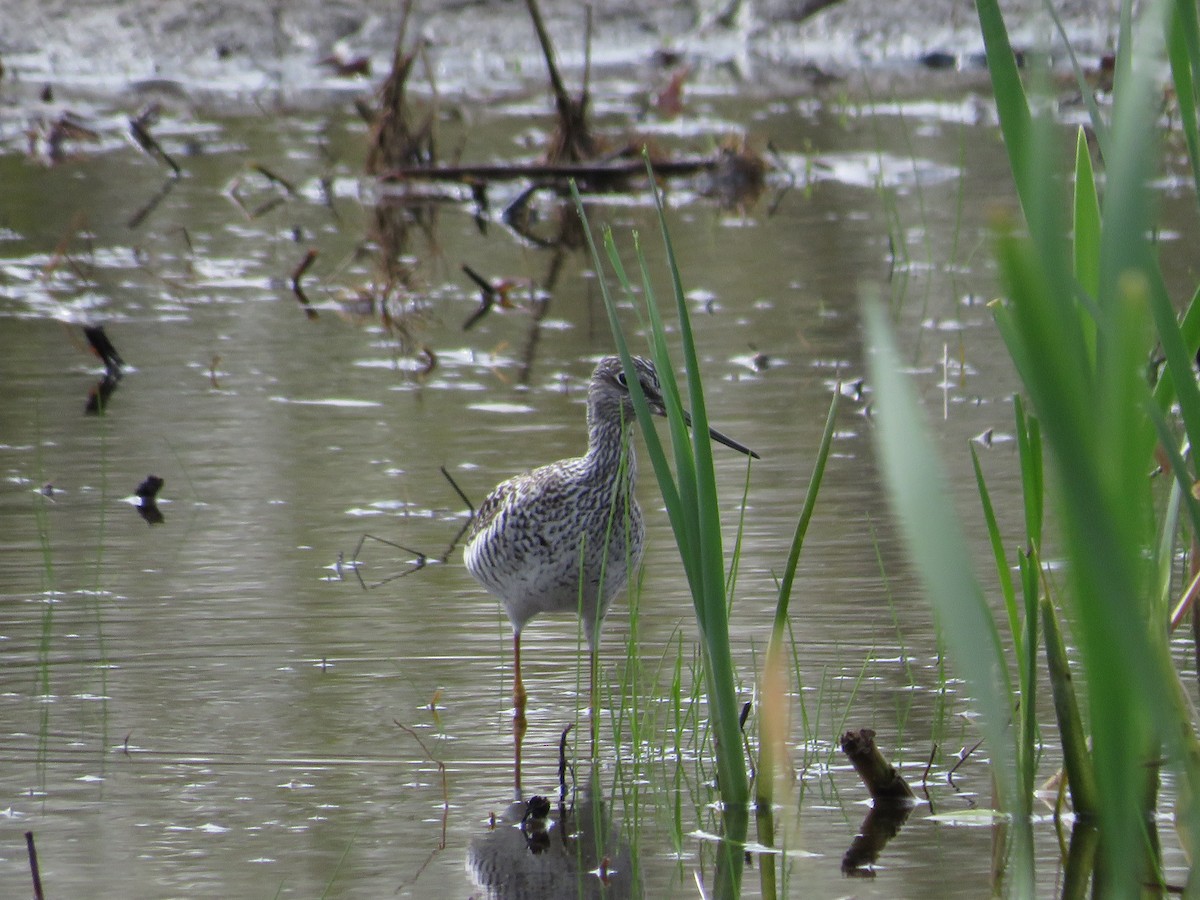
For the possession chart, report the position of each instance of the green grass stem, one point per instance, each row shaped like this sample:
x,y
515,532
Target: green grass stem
x,y
690,496
1003,570
938,547
1183,51
1076,760
772,752
1083,308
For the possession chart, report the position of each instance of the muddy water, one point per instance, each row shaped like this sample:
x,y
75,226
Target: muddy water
x,y
208,707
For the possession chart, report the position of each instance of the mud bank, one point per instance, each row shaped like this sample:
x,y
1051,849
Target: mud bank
x,y
236,47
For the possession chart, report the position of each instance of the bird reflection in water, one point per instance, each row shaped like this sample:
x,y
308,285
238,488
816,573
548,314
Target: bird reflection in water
x,y
100,393
538,850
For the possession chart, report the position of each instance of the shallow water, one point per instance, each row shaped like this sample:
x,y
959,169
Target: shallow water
x,y
208,707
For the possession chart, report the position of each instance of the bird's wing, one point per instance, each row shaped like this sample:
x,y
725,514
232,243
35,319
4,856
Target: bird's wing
x,y
527,497
490,507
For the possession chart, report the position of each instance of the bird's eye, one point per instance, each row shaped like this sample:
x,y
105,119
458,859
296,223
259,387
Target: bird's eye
x,y
621,379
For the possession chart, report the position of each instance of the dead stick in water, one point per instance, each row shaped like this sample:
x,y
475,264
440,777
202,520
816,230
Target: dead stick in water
x,y
462,494
563,764
297,274
510,171
881,778
33,867
140,129
561,97
275,178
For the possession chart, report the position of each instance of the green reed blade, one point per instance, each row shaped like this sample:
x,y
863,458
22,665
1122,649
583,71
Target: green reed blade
x,y
645,420
806,514
691,498
1028,562
1076,760
1099,125
685,461
708,507
937,546
1183,51
1179,467
1086,231
1029,450
765,783
1003,573
1016,123
1179,354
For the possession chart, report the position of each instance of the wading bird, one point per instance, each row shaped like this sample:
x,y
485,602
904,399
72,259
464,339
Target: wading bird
x,y
564,537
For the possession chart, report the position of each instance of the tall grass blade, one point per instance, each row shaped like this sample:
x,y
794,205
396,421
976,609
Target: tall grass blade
x,y
1029,447
1016,122
1002,569
712,607
1189,328
1099,125
1086,231
1183,51
689,492
1184,481
1100,430
1076,760
772,751
939,551
806,514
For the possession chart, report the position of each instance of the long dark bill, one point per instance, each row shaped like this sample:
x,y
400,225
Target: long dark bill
x,y
722,439
731,443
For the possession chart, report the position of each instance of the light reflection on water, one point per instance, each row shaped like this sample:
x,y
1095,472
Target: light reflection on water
x,y
209,706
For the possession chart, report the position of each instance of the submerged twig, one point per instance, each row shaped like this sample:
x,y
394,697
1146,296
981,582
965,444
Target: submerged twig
x,y
34,869
892,802
147,505
564,171
139,127
462,496
437,762
149,488
487,297
103,347
394,139
563,765
275,178
421,561
100,393
929,764
234,191
445,800
153,203
572,140
62,250
962,758
297,274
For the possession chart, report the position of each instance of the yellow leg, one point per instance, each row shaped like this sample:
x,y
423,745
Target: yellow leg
x,y
519,727
519,723
518,685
